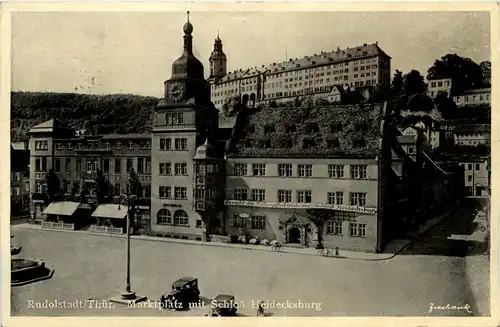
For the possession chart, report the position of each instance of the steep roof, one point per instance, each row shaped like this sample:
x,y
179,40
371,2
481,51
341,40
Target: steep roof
x,y
46,126
476,91
474,128
241,73
407,139
323,58
328,131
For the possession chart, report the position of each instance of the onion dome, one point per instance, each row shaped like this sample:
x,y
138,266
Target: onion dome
x,y
187,65
205,151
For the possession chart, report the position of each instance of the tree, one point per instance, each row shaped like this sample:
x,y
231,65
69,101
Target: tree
x,y
134,185
102,189
53,188
444,104
486,73
319,217
397,86
465,74
420,102
414,83
231,106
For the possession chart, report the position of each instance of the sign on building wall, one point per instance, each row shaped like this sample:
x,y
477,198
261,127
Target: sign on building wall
x,y
290,205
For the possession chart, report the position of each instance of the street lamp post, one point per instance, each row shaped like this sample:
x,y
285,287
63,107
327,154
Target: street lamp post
x,y
128,296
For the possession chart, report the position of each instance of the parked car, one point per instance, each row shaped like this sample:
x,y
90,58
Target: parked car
x,y
184,291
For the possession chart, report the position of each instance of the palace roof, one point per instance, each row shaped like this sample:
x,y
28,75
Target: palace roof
x,y
323,58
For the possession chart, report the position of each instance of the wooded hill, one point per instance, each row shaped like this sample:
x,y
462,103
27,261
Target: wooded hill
x,y
113,113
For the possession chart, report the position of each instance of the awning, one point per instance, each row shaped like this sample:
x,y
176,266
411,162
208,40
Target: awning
x,y
64,208
110,211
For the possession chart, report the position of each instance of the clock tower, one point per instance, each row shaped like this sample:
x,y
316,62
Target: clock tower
x,y
184,120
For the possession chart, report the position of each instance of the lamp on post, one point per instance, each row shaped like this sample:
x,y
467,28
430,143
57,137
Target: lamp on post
x,y
128,296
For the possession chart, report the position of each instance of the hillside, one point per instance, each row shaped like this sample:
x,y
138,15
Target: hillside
x,y
114,113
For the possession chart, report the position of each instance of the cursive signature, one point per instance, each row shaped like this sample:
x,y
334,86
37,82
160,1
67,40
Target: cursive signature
x,y
465,307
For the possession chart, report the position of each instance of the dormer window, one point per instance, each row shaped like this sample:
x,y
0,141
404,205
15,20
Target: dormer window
x,y
286,144
290,129
308,143
362,127
332,143
269,129
248,143
312,128
359,143
335,128
106,145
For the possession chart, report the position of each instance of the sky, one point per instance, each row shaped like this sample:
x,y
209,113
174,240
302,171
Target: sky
x,y
133,52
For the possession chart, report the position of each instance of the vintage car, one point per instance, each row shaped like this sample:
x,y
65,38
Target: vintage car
x,y
224,305
184,291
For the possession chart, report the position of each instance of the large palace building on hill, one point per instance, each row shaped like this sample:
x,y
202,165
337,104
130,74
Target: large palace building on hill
x,y
342,175
362,66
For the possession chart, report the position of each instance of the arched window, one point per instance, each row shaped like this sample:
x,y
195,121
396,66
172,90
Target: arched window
x,y
181,218
163,217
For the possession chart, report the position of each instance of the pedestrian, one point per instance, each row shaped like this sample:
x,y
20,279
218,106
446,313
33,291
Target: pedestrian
x,y
337,251
260,309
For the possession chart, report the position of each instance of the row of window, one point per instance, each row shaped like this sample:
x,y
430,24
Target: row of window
x,y
41,145
285,170
180,144
440,83
365,75
306,71
165,217
469,166
333,227
75,187
302,196
143,165
165,192
180,169
472,98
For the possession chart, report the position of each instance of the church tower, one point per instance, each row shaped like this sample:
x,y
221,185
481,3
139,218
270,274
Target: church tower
x,y
184,120
218,61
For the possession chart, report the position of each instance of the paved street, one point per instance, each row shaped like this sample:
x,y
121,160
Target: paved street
x,y
435,242
93,267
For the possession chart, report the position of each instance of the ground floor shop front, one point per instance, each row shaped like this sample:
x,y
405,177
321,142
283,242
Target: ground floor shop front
x,y
346,230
